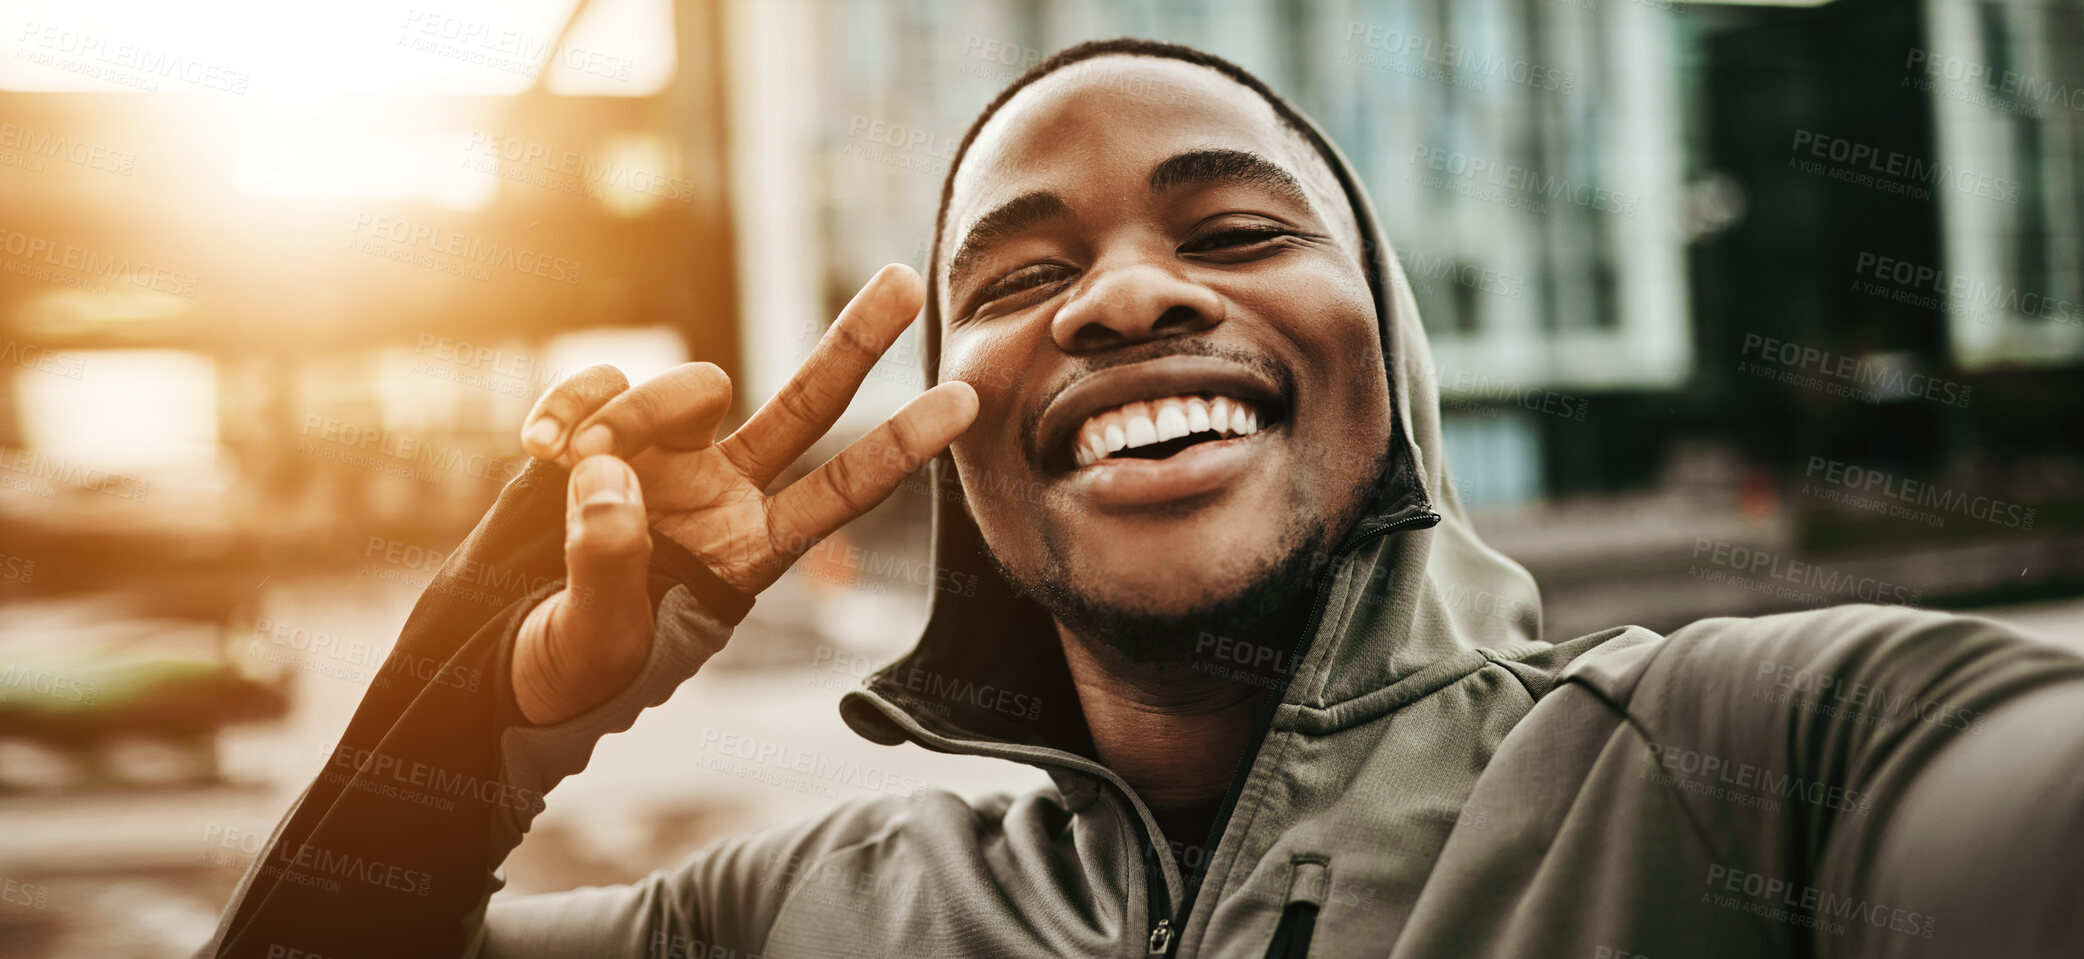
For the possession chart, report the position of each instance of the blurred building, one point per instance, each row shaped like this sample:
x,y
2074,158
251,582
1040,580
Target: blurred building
x,y
1716,290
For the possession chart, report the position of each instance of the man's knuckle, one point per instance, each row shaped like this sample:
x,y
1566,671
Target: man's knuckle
x,y
609,529
850,484
796,405
597,382
642,408
904,435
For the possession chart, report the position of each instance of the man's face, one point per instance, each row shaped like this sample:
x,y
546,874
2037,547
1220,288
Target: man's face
x,y
1156,290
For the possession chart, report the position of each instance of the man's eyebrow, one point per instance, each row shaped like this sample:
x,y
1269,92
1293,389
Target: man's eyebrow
x,y
1208,167
1008,218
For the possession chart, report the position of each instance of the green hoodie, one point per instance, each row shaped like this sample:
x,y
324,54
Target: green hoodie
x,y
1434,780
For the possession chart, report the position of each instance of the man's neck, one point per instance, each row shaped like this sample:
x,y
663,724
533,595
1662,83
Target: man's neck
x,y
1172,732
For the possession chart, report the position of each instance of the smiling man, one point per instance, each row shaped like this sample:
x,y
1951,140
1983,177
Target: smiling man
x,y
1188,446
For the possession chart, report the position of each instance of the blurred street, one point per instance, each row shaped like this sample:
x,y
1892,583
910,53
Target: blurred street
x,y
143,876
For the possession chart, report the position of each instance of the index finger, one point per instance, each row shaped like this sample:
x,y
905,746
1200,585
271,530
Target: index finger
x,y
547,430
819,391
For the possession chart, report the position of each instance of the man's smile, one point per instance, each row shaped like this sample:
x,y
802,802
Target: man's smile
x,y
1160,430
1156,429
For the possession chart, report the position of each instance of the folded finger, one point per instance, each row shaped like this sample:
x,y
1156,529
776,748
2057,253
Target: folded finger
x,y
678,409
547,430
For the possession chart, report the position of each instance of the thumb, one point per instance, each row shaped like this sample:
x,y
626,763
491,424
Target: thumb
x,y
581,646
607,538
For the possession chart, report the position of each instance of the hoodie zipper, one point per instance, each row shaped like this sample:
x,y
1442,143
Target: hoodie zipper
x,y
1164,936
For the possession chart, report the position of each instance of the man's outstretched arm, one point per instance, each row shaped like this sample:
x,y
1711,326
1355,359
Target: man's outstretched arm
x,y
1977,813
1930,769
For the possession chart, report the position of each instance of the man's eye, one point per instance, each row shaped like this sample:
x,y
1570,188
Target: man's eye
x,y
1234,238
1027,277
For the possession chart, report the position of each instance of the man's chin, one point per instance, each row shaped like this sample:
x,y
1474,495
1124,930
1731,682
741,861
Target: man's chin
x,y
1127,620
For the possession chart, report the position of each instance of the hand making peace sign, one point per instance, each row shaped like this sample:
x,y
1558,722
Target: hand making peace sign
x,y
647,457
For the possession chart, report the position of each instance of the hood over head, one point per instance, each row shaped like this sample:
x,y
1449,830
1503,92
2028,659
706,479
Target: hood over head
x,y
1410,585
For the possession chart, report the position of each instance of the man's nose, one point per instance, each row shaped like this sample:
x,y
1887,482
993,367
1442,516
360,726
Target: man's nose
x,y
1132,303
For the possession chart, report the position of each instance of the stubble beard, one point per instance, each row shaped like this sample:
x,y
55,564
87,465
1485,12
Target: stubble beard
x,y
1277,588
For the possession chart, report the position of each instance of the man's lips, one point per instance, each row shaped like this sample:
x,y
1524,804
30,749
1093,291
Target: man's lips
x,y
1203,469
1254,400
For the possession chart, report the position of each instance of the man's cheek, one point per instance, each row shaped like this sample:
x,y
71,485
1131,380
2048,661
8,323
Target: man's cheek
x,y
998,408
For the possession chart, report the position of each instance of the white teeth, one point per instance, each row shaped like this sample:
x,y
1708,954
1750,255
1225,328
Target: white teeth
x,y
1143,432
1146,422
1091,448
1172,420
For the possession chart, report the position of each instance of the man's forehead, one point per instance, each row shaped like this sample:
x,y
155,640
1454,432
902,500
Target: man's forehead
x,y
1111,103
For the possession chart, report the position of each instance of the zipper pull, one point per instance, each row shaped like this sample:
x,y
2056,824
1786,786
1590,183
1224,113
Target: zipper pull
x,y
1161,938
